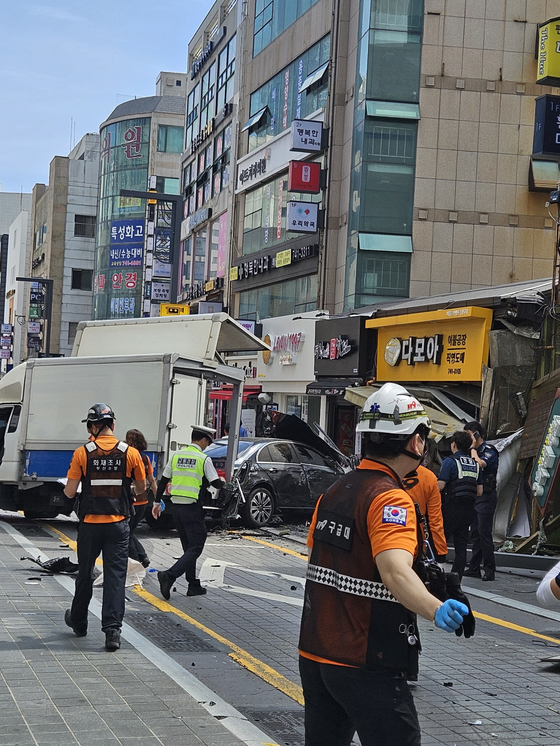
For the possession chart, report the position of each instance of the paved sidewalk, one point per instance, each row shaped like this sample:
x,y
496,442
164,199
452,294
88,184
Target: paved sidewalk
x,y
60,690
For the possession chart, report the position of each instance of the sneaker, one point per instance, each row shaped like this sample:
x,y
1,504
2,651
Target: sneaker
x,y
112,639
489,576
165,584
470,573
195,589
68,620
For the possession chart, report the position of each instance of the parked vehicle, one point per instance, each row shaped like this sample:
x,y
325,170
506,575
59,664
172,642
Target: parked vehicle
x,y
274,476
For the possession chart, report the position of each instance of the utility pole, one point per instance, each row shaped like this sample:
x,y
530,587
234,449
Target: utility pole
x,y
48,306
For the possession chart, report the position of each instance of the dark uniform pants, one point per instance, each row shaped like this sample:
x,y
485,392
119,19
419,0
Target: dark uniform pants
x,y
190,525
111,539
483,543
136,550
340,700
457,519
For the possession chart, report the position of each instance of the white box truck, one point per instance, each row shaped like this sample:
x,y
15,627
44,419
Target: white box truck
x,y
161,392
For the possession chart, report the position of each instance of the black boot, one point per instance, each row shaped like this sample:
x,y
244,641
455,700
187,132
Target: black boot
x,y
195,589
166,583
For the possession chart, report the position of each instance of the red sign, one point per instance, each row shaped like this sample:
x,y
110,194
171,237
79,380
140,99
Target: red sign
x,y
304,177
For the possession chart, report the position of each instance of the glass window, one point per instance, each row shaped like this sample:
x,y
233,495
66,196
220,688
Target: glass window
x,y
192,128
207,91
387,198
382,274
84,225
81,279
214,245
200,255
186,264
169,139
282,98
400,15
280,299
273,17
226,72
167,185
393,71
277,453
310,456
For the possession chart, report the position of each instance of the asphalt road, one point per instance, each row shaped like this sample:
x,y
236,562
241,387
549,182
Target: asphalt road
x,y
240,640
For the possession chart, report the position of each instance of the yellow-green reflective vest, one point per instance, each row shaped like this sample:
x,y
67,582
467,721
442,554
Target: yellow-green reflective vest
x,y
187,472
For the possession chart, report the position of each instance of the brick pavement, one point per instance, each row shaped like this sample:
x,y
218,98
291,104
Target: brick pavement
x,y
59,690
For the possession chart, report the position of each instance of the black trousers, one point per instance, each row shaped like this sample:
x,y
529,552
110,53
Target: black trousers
x,y
483,544
457,520
190,525
136,550
111,539
340,701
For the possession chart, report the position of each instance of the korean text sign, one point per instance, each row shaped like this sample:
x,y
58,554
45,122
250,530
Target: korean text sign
x,y
126,243
445,345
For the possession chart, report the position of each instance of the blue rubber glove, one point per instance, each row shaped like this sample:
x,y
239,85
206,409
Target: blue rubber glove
x,y
449,616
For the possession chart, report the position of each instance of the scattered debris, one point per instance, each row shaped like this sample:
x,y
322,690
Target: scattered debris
x,y
57,565
293,587
447,683
475,722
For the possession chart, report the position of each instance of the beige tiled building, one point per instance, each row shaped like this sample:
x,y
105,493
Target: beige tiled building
x,y
475,221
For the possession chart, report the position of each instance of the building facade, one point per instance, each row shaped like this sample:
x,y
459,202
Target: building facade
x,y
209,158
431,180
17,294
63,224
141,145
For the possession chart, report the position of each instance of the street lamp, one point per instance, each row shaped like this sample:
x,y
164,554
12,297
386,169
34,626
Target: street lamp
x,y
48,306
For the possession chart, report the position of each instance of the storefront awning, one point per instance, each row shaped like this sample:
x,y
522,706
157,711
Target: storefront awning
x,y
314,77
255,119
443,425
224,393
543,175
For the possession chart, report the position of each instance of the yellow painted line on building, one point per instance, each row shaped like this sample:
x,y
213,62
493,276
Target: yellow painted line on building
x,y
238,654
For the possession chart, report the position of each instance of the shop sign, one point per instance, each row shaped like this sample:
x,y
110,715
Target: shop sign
x,y
248,326
548,53
210,307
444,345
262,264
203,135
304,177
287,342
306,136
133,142
5,354
194,291
546,138
333,349
252,171
544,474
200,216
35,312
289,358
302,217
199,63
160,291
319,391
174,309
5,341
126,243
34,327
6,328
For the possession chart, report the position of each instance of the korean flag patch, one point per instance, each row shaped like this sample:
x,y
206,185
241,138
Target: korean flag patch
x,y
392,514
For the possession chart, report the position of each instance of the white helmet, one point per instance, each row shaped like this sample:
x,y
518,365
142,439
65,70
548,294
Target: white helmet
x,y
392,411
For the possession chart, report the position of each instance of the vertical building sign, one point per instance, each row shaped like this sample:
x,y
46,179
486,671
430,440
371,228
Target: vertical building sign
x,y
222,245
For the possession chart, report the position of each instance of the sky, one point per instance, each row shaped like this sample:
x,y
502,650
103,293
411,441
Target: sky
x,y
65,65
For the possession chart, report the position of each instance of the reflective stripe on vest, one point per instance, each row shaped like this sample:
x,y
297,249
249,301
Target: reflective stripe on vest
x,y
187,473
347,584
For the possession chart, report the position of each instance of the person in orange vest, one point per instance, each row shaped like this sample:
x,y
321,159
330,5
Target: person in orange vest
x,y
422,485
106,468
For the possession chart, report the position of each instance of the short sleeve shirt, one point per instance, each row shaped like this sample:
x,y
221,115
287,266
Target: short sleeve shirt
x,y
391,520
449,470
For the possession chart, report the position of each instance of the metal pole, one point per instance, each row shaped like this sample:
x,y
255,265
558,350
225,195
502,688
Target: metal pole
x,y
175,251
48,305
234,423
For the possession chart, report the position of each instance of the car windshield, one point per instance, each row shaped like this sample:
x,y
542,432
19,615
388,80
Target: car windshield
x,y
218,450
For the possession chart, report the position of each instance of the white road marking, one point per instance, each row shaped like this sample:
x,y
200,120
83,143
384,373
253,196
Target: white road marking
x,y
229,717
213,571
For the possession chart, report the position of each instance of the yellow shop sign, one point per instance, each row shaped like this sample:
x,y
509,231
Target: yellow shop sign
x,y
548,53
446,345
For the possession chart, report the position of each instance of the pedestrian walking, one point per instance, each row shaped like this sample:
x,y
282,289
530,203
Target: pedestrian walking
x,y
460,483
105,467
136,550
359,638
486,456
422,486
188,473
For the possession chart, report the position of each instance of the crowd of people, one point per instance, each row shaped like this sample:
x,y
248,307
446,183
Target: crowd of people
x,y
376,543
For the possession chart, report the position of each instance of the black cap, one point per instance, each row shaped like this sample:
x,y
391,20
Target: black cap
x,y
99,413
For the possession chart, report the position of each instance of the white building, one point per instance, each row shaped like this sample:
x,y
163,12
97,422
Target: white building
x,y
15,308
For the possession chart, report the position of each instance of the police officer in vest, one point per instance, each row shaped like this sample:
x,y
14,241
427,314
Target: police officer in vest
x,y
106,467
359,638
486,456
459,482
188,473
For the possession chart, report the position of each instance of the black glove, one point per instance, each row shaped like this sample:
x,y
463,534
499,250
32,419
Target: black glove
x,y
436,581
454,590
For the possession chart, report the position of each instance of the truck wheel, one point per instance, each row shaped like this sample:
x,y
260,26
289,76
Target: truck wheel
x,y
45,514
257,512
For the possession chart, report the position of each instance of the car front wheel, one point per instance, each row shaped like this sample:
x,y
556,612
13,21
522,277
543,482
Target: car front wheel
x,y
257,512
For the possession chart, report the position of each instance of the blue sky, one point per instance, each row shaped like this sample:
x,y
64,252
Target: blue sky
x,y
65,60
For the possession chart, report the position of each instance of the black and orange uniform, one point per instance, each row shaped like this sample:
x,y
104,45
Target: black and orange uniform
x,y
422,486
136,549
105,466
358,644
